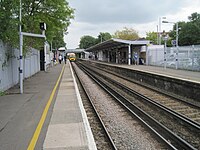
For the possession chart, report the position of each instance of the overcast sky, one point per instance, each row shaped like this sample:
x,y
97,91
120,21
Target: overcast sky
x,y
95,16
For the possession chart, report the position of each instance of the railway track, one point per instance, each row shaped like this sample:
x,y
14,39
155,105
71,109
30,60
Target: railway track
x,y
186,108
98,127
181,131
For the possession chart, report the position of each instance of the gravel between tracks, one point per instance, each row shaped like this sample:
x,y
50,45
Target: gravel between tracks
x,y
126,131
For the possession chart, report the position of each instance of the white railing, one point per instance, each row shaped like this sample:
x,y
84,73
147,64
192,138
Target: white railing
x,y
188,57
9,65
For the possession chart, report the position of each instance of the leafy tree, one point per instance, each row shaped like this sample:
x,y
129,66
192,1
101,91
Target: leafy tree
x,y
195,17
126,34
87,41
189,34
152,36
57,41
188,31
55,13
9,21
103,37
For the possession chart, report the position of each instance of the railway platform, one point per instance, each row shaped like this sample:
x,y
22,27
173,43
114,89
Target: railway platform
x,y
69,127
183,83
192,76
49,114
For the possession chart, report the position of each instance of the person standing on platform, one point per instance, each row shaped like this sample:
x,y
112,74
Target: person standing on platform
x,y
60,59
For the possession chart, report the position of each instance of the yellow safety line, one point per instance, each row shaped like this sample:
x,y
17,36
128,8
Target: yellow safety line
x,y
44,114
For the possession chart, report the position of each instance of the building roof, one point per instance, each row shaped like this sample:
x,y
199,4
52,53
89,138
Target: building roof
x,y
75,50
61,49
116,43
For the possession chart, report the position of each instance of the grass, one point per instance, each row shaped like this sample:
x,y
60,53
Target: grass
x,y
2,93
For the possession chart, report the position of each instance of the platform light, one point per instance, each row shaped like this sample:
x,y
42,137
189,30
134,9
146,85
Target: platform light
x,y
43,26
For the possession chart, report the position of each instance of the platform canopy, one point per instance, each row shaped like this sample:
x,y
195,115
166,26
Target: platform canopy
x,y
116,43
61,49
74,50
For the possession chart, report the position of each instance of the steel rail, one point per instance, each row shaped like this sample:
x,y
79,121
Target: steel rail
x,y
95,110
166,142
151,88
170,135
180,116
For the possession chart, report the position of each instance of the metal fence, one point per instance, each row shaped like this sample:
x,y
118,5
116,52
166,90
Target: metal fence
x,y
183,57
9,64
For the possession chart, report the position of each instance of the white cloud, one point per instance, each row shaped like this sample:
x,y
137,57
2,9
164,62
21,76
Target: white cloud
x,y
130,11
93,17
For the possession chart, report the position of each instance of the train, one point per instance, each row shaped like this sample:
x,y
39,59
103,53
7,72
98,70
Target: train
x,y
71,56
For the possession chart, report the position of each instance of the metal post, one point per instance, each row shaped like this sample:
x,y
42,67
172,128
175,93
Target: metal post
x,y
129,54
20,50
158,35
159,31
45,51
147,56
177,34
160,22
165,52
117,56
21,34
193,57
177,45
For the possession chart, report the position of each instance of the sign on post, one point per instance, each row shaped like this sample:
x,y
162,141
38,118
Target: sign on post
x,y
173,42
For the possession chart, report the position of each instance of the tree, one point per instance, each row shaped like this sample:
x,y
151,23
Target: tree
x,y
57,41
152,36
126,34
55,13
189,34
195,17
188,31
87,41
9,21
103,37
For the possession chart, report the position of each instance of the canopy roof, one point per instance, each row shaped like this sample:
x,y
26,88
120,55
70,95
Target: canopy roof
x,y
116,43
75,50
61,49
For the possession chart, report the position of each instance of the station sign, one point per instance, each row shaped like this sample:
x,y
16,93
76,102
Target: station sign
x,y
173,42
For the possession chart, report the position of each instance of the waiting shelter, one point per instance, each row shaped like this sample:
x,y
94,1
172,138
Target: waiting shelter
x,y
119,51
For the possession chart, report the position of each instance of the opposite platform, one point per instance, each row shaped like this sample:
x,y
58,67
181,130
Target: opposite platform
x,y
187,75
69,128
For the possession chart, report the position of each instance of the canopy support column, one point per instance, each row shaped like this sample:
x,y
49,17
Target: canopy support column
x,y
129,54
117,56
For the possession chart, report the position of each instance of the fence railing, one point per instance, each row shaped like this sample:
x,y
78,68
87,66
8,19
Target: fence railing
x,y
185,57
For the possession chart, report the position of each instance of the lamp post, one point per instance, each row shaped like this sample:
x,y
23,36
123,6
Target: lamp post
x,y
20,49
176,40
159,29
21,34
165,51
176,30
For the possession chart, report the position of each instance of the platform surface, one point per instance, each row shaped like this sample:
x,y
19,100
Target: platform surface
x,y
67,128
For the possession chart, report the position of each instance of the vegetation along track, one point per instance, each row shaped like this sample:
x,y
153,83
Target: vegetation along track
x,y
185,128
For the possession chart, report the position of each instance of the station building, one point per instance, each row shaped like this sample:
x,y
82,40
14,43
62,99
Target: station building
x,y
120,51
